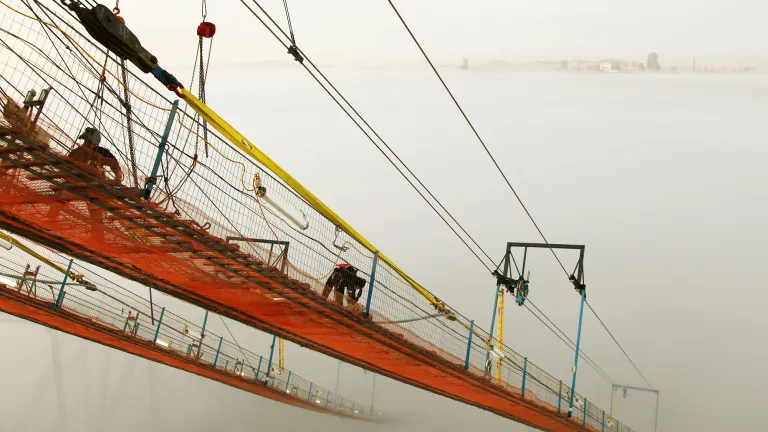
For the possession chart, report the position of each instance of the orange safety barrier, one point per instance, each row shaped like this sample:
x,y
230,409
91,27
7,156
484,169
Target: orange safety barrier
x,y
52,200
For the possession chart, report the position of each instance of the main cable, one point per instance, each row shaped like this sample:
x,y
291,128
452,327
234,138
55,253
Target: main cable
x,y
619,345
572,344
474,130
509,184
373,132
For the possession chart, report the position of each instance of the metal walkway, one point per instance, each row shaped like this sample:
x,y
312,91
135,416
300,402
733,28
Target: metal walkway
x,y
144,243
115,319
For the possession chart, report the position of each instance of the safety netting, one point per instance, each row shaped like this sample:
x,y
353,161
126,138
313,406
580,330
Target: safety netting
x,y
113,309
208,233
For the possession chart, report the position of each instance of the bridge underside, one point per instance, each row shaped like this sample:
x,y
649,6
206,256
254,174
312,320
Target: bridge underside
x,y
53,201
43,313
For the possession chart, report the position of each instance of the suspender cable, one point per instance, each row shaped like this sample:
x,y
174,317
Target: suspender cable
x,y
290,24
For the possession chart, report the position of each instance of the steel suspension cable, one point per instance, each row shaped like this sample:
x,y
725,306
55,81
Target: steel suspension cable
x,y
330,89
504,176
477,134
346,111
570,343
619,345
290,24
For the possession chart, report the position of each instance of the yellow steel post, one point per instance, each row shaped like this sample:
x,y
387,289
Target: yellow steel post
x,y
500,336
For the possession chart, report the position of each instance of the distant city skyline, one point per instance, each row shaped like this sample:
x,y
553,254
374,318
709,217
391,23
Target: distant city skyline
x,y
345,32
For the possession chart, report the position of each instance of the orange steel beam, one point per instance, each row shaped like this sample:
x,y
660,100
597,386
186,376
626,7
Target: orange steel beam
x,y
41,312
188,263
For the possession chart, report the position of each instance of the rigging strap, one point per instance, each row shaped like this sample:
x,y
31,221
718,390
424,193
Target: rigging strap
x,y
129,124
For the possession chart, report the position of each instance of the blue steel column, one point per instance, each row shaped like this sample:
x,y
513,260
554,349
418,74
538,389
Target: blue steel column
x,y
218,350
271,354
160,150
202,332
469,343
159,322
559,396
309,396
656,422
370,284
258,369
288,381
602,428
525,373
576,359
60,297
202,335
493,324
585,411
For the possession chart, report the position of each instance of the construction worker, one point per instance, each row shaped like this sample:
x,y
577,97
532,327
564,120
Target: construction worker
x,y
344,278
94,159
91,154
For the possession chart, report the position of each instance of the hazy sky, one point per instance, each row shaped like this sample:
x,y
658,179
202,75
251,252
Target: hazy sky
x,y
661,176
368,32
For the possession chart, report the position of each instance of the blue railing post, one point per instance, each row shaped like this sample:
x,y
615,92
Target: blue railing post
x,y
469,344
199,354
559,396
136,324
493,324
157,330
288,381
525,373
602,428
271,354
189,349
371,283
160,149
258,369
585,411
576,359
202,332
60,297
309,396
218,350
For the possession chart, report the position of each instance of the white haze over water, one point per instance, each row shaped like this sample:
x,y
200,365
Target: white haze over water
x,y
661,176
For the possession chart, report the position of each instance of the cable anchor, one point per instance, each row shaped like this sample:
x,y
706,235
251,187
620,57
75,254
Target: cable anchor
x,y
294,51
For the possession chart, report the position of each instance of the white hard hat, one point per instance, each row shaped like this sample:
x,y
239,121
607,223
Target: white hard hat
x,y
91,135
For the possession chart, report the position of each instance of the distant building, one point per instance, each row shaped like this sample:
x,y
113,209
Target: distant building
x,y
465,63
693,64
653,62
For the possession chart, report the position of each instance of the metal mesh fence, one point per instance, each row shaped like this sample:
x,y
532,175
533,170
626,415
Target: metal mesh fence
x,y
43,46
123,310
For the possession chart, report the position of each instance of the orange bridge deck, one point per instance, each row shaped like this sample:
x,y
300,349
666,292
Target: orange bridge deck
x,y
113,228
